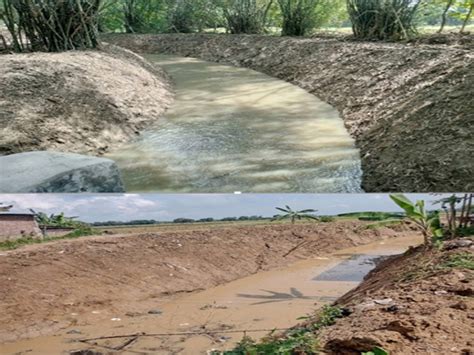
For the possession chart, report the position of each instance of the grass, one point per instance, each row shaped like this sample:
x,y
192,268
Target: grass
x,y
461,261
300,340
15,244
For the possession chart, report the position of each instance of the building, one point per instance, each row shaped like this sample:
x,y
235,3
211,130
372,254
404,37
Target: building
x,y
15,224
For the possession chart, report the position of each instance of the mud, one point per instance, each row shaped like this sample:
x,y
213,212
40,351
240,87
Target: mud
x,y
49,287
77,102
409,106
219,314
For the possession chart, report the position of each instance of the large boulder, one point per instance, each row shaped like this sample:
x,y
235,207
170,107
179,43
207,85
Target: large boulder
x,y
38,172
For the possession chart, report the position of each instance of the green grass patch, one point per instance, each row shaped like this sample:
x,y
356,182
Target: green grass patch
x,y
461,261
15,244
301,340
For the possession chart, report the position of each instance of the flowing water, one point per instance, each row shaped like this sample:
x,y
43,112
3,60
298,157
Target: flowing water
x,y
256,304
234,129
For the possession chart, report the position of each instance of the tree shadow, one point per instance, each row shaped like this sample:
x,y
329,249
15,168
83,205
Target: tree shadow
x,y
274,297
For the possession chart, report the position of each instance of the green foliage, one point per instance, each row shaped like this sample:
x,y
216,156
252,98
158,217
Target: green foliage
x,y
245,16
301,340
295,215
377,351
428,223
383,19
51,25
15,244
462,261
326,219
299,16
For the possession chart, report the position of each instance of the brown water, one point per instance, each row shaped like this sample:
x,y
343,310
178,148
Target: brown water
x,y
234,129
267,300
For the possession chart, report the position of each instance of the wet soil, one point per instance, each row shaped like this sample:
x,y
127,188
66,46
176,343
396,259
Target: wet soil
x,y
49,287
220,314
78,102
410,304
409,106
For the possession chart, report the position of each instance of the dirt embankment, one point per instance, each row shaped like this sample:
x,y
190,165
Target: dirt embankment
x,y
78,102
409,106
43,286
418,303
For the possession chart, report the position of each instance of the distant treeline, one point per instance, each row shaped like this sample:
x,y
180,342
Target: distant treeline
x,y
179,221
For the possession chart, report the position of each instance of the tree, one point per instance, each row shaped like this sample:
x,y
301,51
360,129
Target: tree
x,y
444,18
51,25
294,215
245,16
428,223
299,16
383,19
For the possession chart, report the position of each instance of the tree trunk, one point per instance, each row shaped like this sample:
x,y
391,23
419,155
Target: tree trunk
x,y
445,15
468,17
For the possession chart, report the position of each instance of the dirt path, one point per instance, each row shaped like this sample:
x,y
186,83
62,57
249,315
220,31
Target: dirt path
x,y
404,103
252,303
49,287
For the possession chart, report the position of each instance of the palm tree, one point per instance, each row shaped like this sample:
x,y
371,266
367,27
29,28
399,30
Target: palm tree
x,y
295,215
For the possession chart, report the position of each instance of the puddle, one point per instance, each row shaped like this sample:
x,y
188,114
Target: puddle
x,y
219,316
354,269
234,129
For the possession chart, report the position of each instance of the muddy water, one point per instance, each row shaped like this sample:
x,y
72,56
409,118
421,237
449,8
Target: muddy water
x,y
267,300
233,129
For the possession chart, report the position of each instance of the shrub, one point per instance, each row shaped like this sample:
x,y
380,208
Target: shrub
x,y
246,16
51,25
383,19
299,16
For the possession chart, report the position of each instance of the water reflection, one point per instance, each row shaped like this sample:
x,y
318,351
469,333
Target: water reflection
x,y
233,129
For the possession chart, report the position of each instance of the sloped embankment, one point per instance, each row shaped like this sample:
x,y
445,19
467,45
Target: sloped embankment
x,y
418,303
409,106
44,286
77,102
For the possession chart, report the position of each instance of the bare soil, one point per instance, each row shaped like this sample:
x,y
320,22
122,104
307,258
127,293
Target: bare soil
x,y
430,308
80,102
409,105
43,286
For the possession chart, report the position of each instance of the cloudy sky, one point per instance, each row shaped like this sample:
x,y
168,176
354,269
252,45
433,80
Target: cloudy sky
x,y
96,208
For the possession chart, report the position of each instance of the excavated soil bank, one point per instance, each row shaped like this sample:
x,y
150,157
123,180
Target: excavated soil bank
x,y
410,304
77,102
409,106
45,288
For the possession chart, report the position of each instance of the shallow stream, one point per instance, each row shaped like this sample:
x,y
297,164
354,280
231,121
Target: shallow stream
x,y
257,304
234,129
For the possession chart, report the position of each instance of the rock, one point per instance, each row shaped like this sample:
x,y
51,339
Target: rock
x,y
155,311
441,293
384,302
54,172
459,243
74,331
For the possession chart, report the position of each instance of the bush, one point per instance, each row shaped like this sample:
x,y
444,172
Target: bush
x,y
383,19
299,16
246,16
51,25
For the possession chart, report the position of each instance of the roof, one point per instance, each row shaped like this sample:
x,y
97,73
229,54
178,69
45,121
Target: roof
x,y
16,212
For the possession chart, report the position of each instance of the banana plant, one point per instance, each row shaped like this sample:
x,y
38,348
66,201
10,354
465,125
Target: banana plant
x,y
428,222
289,213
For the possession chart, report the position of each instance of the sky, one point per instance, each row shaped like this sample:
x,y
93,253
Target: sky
x,y
166,207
